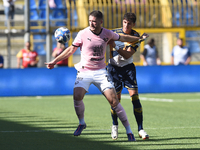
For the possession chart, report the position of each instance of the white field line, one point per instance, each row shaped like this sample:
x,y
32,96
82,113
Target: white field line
x,y
34,131
163,99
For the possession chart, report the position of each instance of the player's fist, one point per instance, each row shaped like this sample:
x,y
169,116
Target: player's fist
x,y
119,44
50,65
143,37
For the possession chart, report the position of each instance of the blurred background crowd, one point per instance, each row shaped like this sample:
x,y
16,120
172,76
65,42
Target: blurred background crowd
x,y
167,22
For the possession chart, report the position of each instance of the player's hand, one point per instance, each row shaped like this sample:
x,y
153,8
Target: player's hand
x,y
112,43
61,42
143,37
120,44
50,65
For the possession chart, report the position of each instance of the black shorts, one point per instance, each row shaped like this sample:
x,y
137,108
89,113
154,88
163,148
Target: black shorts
x,y
123,76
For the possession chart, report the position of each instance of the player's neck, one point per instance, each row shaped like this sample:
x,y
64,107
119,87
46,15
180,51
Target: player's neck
x,y
126,32
97,32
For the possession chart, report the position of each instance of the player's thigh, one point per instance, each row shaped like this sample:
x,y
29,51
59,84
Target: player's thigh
x,y
129,79
102,80
79,93
111,96
132,91
115,77
83,80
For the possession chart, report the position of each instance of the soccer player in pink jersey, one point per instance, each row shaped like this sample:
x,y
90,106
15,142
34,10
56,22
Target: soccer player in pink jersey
x,y
91,68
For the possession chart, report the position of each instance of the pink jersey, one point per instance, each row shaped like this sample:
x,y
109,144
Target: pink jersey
x,y
93,48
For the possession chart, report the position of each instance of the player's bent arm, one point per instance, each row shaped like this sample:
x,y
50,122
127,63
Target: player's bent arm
x,y
126,53
128,38
18,62
65,54
144,60
188,60
172,60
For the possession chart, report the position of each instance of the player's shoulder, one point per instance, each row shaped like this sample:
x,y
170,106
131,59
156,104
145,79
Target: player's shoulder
x,y
118,30
23,50
84,30
134,33
146,46
34,52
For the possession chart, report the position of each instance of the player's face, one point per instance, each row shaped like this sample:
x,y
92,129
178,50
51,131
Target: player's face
x,y
127,26
179,42
28,45
95,24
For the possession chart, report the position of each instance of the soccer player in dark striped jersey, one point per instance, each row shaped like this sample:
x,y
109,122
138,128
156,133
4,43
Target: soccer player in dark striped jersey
x,y
123,73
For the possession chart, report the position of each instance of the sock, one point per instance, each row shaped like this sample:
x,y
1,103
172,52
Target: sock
x,y
137,109
128,130
114,116
80,108
122,115
82,121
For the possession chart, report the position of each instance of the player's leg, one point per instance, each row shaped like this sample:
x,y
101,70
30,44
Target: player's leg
x,y
130,82
104,84
79,107
137,110
12,13
111,96
6,12
81,86
118,87
114,132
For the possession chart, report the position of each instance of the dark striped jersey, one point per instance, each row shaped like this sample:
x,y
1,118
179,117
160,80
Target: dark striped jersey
x,y
115,58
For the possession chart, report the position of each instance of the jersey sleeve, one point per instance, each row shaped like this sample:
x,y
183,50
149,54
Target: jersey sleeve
x,y
115,36
78,40
19,54
189,53
144,53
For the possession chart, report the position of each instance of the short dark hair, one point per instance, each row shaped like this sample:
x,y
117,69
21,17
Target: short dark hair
x,y
180,39
151,41
130,17
96,13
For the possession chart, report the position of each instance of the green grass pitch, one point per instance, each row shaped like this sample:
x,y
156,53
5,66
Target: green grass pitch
x,y
48,123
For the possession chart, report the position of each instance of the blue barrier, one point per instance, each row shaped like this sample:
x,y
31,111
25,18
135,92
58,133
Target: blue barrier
x,y
60,81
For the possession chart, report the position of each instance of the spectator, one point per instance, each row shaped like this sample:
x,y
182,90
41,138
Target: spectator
x,y
1,61
9,11
57,51
150,54
52,4
180,54
29,58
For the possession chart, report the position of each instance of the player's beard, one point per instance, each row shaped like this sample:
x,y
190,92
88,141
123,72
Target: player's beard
x,y
95,29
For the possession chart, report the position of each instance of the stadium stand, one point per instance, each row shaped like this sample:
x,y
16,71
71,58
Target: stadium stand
x,y
42,4
32,4
163,20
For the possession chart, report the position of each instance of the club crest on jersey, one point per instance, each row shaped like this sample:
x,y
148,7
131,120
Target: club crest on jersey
x,y
105,39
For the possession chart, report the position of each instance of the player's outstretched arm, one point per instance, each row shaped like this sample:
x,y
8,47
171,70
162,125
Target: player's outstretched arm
x,y
143,37
129,38
65,54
